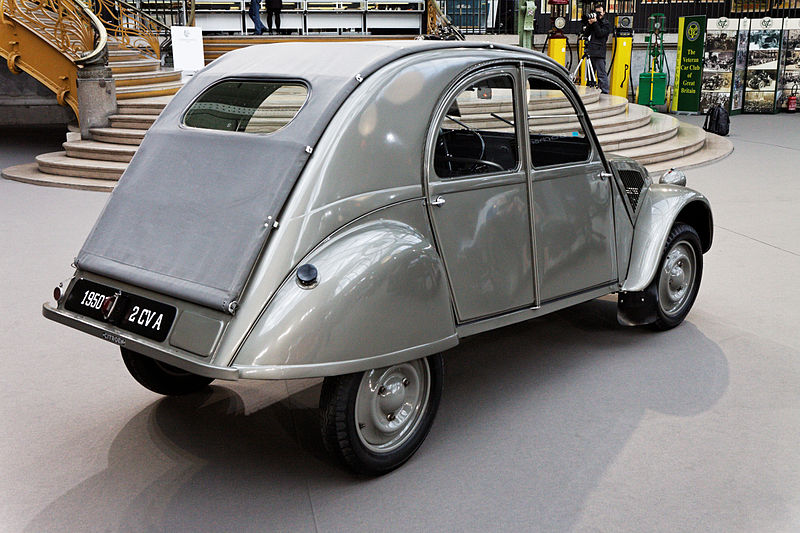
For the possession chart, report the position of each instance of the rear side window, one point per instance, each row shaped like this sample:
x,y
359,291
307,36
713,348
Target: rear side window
x,y
556,132
246,106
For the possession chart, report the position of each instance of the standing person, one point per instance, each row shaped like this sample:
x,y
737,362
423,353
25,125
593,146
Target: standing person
x,y
274,8
597,30
255,15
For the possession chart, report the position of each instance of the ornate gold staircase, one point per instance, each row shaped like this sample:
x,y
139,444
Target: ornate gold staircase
x,y
56,41
52,40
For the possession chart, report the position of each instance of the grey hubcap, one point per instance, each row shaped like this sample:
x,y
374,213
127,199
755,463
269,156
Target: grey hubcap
x,y
390,404
677,278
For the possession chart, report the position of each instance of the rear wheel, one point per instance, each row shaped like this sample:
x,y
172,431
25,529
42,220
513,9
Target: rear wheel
x,y
160,377
374,421
678,277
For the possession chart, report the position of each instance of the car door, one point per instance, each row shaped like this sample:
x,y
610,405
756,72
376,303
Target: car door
x,y
571,191
478,194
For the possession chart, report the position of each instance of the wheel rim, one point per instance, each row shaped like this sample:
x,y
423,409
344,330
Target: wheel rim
x,y
677,278
391,403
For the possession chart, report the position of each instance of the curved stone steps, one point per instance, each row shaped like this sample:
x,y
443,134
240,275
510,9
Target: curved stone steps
x,y
150,89
714,149
634,116
149,77
118,135
30,173
659,129
136,65
556,119
136,122
123,54
100,151
472,106
62,165
143,106
688,140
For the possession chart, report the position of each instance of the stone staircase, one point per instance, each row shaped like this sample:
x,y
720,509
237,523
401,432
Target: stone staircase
x,y
658,141
136,76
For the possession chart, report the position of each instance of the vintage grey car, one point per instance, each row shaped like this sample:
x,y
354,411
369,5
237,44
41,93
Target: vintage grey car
x,y
349,211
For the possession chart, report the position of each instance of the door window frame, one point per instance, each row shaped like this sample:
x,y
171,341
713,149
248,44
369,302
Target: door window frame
x,y
488,179
595,156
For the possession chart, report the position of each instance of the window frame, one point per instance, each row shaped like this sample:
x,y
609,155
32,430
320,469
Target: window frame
x,y
482,73
283,81
588,134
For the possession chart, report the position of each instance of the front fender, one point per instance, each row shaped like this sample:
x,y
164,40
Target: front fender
x,y
381,299
663,206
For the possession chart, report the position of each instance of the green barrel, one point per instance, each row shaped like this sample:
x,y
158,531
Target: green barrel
x,y
658,82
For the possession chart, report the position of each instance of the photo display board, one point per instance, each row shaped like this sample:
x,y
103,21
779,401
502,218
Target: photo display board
x,y
740,67
763,65
790,73
719,61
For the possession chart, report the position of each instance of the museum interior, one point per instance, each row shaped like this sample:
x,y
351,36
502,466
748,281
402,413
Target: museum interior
x,y
568,421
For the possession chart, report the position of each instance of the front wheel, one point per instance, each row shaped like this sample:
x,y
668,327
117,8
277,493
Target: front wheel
x,y
678,278
374,421
160,377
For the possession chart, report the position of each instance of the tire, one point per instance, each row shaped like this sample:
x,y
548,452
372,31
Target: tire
x,y
374,421
162,378
678,277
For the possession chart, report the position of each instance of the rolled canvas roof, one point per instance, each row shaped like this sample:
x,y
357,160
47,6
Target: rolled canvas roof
x,y
195,207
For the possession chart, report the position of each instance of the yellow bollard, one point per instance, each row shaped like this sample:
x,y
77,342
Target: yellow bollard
x,y
557,49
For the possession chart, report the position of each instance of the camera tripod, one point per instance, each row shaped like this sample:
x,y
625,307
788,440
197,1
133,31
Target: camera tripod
x,y
591,75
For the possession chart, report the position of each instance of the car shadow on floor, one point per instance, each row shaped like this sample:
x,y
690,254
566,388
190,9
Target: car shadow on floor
x,y
532,415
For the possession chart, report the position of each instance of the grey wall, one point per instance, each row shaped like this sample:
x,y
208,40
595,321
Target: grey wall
x,y
26,102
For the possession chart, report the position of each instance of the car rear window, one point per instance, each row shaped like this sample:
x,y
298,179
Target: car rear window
x,y
247,106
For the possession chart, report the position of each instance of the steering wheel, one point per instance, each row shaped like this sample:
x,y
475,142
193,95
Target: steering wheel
x,y
471,164
474,164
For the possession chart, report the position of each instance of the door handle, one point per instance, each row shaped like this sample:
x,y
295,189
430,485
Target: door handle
x,y
439,201
604,175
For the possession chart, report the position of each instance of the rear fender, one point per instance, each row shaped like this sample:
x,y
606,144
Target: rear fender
x,y
381,299
663,206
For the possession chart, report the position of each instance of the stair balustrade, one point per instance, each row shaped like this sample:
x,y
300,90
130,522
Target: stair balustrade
x,y
52,40
133,28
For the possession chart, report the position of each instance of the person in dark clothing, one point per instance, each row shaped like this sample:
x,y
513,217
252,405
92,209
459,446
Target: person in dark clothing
x,y
597,31
255,15
274,9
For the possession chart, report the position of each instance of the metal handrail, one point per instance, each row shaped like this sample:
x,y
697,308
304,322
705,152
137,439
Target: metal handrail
x,y
102,36
69,25
132,27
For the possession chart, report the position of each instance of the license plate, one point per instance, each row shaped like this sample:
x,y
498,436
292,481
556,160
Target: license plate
x,y
127,311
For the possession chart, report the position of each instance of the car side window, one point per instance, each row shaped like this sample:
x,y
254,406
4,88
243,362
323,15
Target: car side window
x,y
556,133
478,134
248,106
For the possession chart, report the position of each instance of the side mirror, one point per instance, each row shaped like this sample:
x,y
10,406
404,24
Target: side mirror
x,y
673,177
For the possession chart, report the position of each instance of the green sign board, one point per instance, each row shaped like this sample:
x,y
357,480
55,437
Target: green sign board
x,y
689,70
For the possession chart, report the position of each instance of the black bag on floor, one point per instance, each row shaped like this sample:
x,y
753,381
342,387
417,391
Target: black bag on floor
x,y
717,121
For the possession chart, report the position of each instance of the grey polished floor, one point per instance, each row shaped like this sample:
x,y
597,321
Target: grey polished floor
x,y
569,423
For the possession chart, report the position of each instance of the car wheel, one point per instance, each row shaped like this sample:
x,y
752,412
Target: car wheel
x,y
678,277
374,421
160,377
